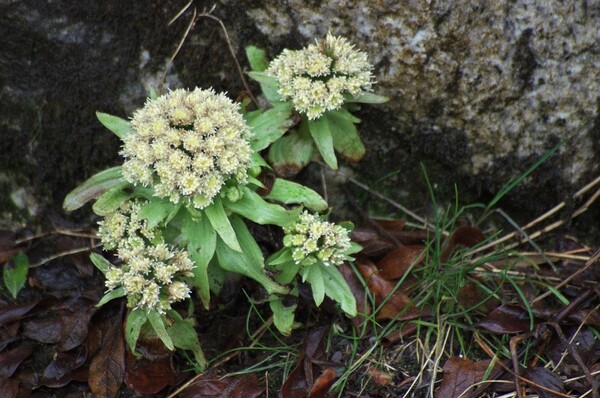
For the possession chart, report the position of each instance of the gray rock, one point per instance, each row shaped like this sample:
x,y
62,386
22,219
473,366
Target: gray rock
x,y
479,91
483,89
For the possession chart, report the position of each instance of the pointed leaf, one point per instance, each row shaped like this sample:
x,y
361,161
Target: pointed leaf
x,y
184,336
255,208
337,289
370,98
247,241
218,218
15,272
289,192
202,239
283,317
113,294
314,276
345,137
135,320
100,262
257,58
268,85
282,256
321,133
92,188
270,125
117,125
110,200
158,324
292,152
241,263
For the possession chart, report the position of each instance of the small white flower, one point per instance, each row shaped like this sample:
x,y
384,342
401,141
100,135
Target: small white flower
x,y
310,239
316,77
187,145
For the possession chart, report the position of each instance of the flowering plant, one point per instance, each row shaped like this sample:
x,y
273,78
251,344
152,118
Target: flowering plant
x,y
174,212
320,81
313,248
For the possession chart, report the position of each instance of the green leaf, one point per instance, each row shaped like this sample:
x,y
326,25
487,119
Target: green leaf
x,y
269,125
287,272
184,336
313,275
249,245
157,211
158,324
110,200
255,208
289,192
345,136
218,218
370,98
321,133
202,239
337,288
242,264
135,320
117,125
100,262
15,274
282,256
92,188
257,58
268,85
292,152
283,317
113,294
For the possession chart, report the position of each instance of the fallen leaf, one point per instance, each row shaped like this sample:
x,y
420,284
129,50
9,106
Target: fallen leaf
x,y
107,367
11,312
381,236
61,370
76,328
149,377
9,388
208,386
46,330
323,384
464,236
394,302
460,374
506,319
11,359
380,377
398,261
583,342
544,377
301,378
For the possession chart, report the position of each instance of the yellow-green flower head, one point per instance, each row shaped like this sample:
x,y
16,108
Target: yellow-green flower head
x,y
151,270
317,77
123,228
313,240
187,145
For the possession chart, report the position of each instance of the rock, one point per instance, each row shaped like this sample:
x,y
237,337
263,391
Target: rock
x,y
479,92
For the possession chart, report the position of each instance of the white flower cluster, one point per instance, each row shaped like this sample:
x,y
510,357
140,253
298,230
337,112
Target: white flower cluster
x,y
317,77
149,275
313,240
187,144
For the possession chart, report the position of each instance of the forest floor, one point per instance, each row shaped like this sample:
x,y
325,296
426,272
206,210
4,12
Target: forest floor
x,y
465,303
